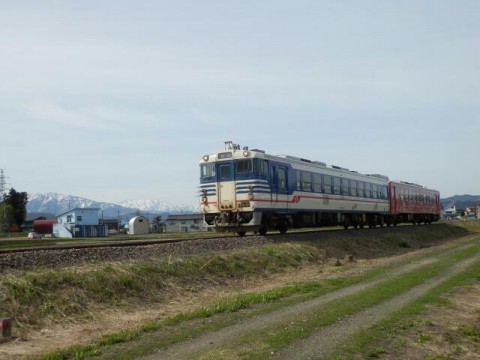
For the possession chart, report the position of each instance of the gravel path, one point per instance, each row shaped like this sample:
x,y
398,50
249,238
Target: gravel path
x,y
211,340
325,341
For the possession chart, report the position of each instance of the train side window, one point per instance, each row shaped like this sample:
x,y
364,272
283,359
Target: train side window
x,y
282,179
375,191
328,184
384,192
353,188
345,187
360,189
368,192
298,176
306,181
317,182
336,185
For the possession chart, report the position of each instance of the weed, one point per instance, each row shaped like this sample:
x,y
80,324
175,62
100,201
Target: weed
x,y
404,244
422,337
472,332
376,352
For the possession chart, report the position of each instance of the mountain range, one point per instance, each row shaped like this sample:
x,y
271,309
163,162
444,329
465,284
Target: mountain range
x,y
461,201
51,204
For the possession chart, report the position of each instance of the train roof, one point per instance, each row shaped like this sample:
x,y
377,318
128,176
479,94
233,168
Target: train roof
x,y
238,152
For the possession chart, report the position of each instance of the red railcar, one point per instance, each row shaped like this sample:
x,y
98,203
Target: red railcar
x,y
413,203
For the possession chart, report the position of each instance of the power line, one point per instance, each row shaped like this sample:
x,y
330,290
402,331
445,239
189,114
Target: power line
x,y
3,182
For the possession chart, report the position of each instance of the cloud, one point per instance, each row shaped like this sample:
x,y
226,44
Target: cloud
x,y
93,117
54,113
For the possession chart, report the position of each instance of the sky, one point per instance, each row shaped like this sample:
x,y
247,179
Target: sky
x,y
116,100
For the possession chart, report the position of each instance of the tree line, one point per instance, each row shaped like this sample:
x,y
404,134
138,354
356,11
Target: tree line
x,y
13,210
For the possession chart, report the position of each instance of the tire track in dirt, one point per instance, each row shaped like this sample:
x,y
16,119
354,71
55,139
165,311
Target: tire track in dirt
x,y
212,340
326,340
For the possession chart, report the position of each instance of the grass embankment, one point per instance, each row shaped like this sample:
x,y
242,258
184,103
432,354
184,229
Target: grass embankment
x,y
38,296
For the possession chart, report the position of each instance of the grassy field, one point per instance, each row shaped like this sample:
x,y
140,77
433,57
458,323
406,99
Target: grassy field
x,y
43,298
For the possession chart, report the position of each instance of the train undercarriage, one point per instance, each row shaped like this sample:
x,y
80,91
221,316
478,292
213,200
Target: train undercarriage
x,y
262,222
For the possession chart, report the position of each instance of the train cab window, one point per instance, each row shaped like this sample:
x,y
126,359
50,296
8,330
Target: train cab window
x,y
368,192
260,166
317,182
244,166
225,171
375,191
328,184
207,170
306,181
336,185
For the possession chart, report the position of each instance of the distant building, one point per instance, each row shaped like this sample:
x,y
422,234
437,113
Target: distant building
x,y
138,225
185,223
449,212
80,222
43,226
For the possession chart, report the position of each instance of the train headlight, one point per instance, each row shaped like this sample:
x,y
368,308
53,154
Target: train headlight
x,y
246,153
205,158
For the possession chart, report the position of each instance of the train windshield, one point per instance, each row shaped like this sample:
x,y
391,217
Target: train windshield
x,y
244,166
207,170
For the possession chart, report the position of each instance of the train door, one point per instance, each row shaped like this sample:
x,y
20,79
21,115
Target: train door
x,y
279,186
273,185
226,187
393,199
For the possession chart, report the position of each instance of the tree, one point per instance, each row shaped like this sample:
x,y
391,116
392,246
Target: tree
x,y
18,201
6,217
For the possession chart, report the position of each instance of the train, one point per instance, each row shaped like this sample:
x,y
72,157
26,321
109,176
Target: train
x,y
243,190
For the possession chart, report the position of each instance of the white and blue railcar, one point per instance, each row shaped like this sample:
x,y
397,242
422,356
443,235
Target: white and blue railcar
x,y
248,190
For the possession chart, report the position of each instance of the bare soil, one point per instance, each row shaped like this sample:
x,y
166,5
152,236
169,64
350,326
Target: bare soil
x,y
440,334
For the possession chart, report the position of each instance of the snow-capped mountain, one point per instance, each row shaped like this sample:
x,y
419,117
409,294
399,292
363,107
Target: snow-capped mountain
x,y
157,206
54,203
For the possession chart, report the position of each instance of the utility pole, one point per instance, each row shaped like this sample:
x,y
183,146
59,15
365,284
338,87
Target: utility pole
x,y
2,195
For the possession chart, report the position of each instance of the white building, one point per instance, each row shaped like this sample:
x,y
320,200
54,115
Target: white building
x,y
79,222
138,225
185,223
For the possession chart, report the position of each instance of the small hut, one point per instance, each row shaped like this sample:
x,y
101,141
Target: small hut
x,y
138,225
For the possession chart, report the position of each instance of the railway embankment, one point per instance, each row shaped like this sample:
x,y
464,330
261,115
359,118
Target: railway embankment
x,y
102,291
361,243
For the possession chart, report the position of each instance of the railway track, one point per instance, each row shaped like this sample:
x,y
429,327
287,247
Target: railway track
x,y
147,242
119,251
